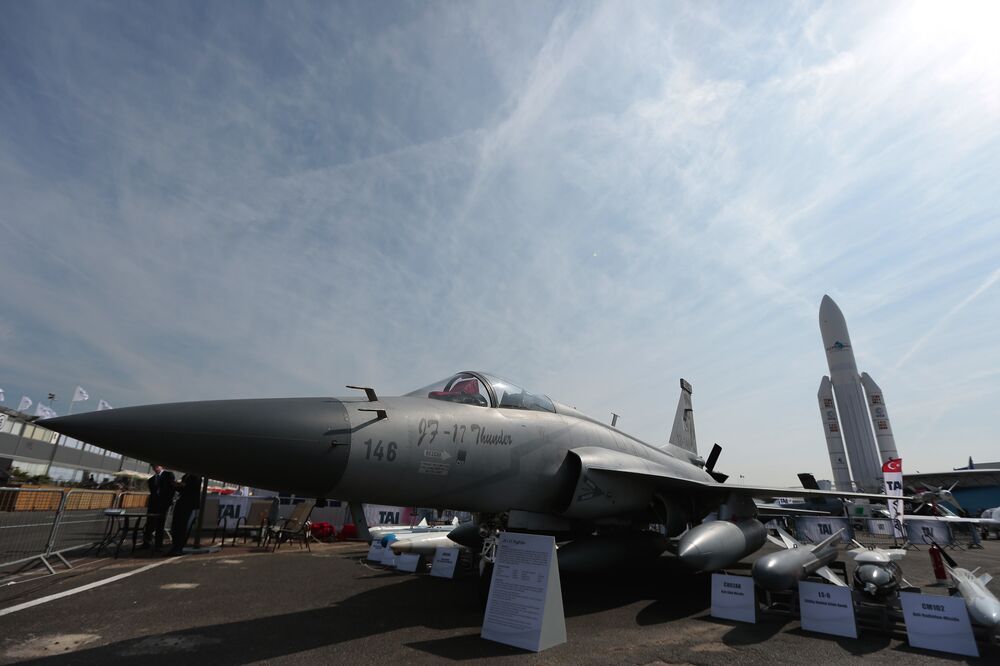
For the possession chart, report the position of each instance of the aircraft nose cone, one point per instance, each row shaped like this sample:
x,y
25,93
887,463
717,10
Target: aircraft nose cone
x,y
296,444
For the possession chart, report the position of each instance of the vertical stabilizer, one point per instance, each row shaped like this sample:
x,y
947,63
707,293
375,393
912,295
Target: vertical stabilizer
x,y
682,434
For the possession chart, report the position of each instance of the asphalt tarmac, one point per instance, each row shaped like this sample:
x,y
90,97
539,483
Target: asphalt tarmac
x,y
329,606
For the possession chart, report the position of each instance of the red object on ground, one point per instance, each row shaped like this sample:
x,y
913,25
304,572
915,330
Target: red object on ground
x,y
937,563
323,530
349,531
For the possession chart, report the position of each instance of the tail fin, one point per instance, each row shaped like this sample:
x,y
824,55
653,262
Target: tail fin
x,y
808,481
682,434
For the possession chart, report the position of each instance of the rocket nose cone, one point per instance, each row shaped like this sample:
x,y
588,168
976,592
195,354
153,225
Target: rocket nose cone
x,y
833,326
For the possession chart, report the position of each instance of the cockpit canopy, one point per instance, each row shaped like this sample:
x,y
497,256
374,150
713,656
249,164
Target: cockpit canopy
x,y
484,390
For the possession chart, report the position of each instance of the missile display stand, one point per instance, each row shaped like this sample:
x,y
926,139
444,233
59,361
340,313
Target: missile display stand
x,y
786,603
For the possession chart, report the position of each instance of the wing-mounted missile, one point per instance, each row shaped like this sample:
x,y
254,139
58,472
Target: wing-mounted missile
x,y
983,606
720,543
783,570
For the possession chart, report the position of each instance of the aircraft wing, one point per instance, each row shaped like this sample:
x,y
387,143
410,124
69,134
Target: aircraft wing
x,y
768,509
607,460
952,519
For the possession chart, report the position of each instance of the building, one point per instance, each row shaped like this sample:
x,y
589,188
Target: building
x,y
36,451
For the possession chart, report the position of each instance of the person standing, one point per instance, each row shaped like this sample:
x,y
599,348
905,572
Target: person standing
x,y
188,499
161,496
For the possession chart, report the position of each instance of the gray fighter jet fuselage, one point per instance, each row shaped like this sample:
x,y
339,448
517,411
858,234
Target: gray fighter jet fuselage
x,y
473,442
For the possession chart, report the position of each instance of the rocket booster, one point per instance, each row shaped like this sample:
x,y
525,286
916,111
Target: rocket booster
x,y
834,440
880,418
860,443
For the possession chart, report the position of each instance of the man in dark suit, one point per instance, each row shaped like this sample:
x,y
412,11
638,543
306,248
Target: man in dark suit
x,y
188,499
161,496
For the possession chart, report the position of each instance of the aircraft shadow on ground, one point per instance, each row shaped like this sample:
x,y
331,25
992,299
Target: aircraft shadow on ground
x,y
866,642
416,601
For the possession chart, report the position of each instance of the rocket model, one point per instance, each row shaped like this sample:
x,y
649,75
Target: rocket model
x,y
855,396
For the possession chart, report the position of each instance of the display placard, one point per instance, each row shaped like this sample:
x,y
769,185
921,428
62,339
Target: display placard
x,y
922,532
375,551
407,562
445,560
827,609
388,557
938,623
814,529
733,598
525,604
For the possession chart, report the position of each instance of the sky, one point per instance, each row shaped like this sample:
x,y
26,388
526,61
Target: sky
x,y
225,199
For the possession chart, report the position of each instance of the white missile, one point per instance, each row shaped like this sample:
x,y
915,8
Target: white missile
x,y
379,532
880,418
425,543
861,450
834,440
983,607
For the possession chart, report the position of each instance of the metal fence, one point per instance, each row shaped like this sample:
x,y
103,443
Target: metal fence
x,y
42,524
878,532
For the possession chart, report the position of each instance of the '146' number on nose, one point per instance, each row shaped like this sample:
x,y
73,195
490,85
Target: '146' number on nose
x,y
379,452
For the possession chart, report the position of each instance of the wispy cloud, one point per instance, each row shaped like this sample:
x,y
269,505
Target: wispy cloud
x,y
592,198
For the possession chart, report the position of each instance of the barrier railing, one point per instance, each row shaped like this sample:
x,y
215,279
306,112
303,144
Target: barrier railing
x,y
40,524
28,518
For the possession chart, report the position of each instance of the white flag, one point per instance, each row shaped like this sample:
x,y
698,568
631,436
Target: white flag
x,y
79,395
44,411
2,397
25,404
103,404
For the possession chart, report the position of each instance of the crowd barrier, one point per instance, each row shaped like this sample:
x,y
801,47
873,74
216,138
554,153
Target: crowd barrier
x,y
879,533
42,524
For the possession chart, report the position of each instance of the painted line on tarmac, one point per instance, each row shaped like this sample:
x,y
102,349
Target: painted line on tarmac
x,y
82,588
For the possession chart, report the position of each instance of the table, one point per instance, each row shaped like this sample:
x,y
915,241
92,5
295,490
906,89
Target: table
x,y
120,523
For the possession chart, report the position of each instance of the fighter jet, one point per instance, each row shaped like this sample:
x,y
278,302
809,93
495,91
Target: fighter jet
x,y
934,496
474,442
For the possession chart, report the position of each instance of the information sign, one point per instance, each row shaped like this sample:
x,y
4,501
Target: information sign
x,y
815,529
922,532
827,609
375,551
407,562
525,604
388,557
733,598
444,563
939,623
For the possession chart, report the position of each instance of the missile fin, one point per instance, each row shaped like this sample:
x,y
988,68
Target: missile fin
x,y
788,541
828,574
985,579
829,540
